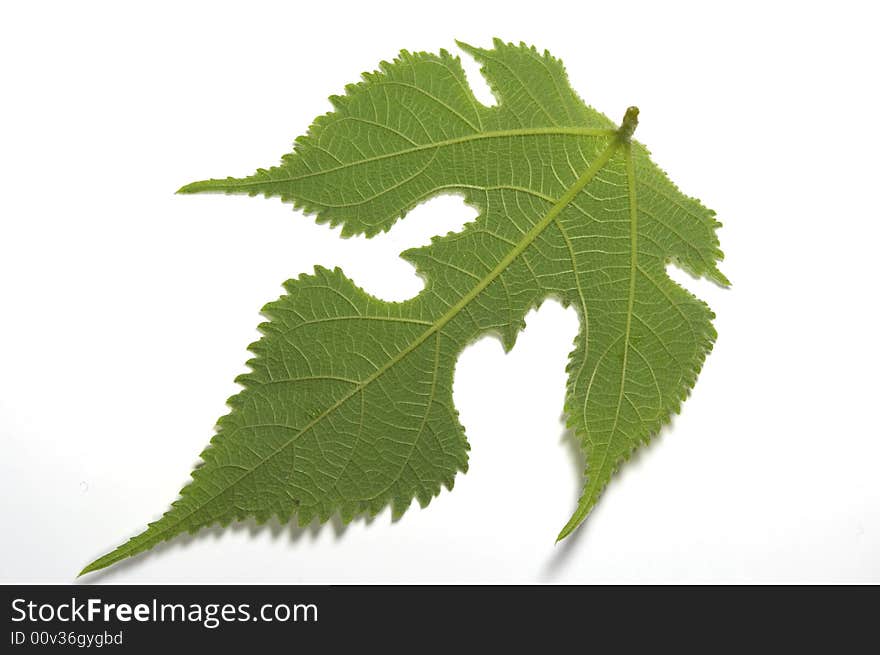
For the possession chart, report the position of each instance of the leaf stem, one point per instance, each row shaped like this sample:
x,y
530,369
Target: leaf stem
x,y
629,124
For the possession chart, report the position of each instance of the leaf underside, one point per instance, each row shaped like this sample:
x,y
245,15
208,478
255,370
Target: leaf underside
x,y
348,405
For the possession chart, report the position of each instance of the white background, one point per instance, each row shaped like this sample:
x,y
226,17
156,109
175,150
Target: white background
x,y
126,309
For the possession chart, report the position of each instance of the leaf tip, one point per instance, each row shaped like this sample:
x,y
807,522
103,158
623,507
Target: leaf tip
x,y
468,48
104,561
228,185
719,278
563,534
194,187
89,569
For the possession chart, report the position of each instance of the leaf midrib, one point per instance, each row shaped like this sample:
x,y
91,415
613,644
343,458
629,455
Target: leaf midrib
x,y
601,160
220,184
583,507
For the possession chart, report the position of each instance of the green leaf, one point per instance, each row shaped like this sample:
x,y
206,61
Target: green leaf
x,y
348,405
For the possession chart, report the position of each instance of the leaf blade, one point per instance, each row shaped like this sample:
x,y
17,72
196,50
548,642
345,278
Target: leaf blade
x,y
563,209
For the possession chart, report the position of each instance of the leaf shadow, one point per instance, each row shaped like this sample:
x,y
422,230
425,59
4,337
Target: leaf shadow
x,y
550,571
